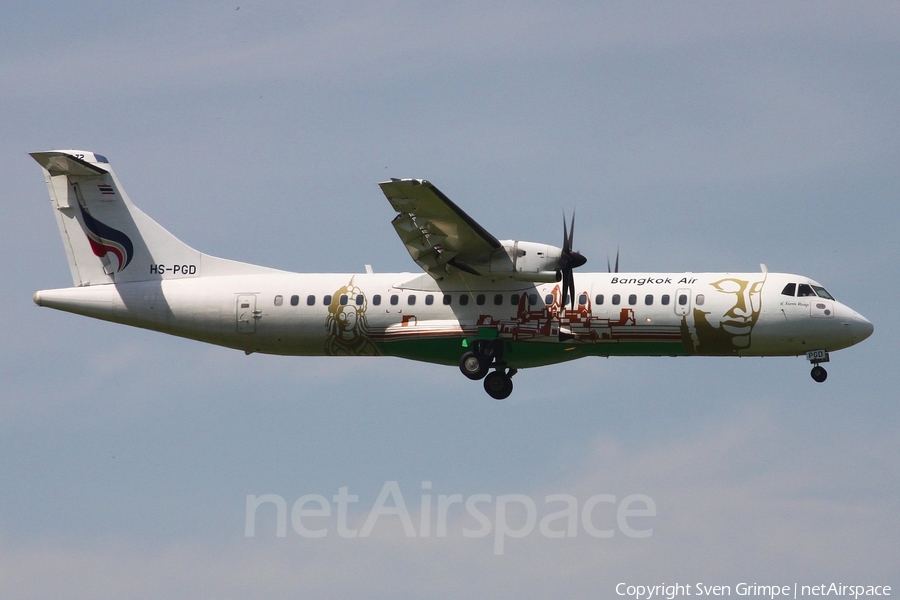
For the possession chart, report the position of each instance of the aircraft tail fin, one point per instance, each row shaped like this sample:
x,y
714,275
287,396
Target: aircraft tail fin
x,y
109,240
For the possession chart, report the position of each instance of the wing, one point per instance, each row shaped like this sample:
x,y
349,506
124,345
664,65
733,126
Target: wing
x,y
436,232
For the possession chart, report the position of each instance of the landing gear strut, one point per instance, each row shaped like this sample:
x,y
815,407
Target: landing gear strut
x,y
819,374
476,363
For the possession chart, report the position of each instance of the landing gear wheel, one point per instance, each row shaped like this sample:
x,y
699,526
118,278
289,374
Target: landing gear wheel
x,y
498,385
474,366
819,374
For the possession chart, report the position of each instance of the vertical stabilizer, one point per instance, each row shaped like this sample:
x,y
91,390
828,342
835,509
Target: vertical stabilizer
x,y
109,240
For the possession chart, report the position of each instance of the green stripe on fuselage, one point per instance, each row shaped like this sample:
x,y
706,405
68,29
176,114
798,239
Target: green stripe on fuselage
x,y
448,350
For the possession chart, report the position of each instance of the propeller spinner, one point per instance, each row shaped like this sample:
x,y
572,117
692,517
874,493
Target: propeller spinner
x,y
568,260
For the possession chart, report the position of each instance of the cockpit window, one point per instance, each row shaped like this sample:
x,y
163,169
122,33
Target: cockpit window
x,y
805,290
821,293
789,290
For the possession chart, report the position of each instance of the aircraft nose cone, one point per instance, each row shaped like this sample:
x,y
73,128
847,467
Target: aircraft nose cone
x,y
862,328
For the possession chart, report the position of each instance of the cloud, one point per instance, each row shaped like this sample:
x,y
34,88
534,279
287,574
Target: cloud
x,y
394,42
732,505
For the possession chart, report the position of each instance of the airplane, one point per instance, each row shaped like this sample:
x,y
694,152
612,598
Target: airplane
x,y
488,306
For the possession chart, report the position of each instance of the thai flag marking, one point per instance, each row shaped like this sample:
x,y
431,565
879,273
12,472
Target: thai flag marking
x,y
106,189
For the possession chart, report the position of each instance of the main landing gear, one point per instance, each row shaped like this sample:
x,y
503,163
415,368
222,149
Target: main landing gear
x,y
476,363
819,374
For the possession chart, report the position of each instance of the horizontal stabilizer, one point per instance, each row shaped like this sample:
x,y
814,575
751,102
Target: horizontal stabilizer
x,y
63,163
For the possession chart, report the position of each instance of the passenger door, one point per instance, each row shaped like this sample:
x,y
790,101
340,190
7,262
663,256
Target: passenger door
x,y
246,313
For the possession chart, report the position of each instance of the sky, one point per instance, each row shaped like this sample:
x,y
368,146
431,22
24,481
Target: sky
x,y
691,136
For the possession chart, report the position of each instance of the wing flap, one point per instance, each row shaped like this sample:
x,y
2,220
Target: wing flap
x,y
433,229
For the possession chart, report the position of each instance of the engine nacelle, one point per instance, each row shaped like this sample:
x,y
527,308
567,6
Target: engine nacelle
x,y
526,261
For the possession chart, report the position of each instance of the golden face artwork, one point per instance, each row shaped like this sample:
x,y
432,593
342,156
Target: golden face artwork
x,y
728,331
346,325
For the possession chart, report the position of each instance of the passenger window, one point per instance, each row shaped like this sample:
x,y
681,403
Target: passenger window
x,y
498,299
279,300
664,300
632,299
376,299
447,299
394,299
411,299
616,299
805,290
598,299
514,299
295,300
479,299
648,299
360,299
682,300
310,300
532,299
429,299
582,299
326,300
789,290
463,299
700,299
548,299
343,300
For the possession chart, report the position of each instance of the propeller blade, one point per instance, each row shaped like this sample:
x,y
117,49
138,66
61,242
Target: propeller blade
x,y
571,290
567,289
568,260
571,238
617,259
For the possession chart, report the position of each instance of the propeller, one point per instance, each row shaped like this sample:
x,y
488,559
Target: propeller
x,y
609,268
568,260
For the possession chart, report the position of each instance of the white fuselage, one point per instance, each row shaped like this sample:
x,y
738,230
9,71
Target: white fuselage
x,y
649,314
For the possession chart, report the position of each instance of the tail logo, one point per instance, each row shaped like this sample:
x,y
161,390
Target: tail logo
x,y
107,240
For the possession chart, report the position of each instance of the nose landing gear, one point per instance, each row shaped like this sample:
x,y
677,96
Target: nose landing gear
x,y
819,374
476,363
